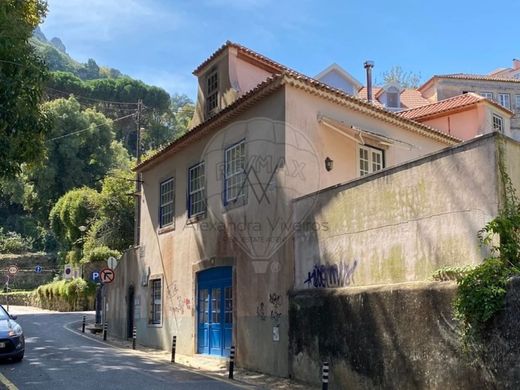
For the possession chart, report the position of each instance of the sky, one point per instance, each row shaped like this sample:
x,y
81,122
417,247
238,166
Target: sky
x,y
162,41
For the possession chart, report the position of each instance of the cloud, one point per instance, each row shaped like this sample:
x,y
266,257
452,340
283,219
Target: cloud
x,y
106,20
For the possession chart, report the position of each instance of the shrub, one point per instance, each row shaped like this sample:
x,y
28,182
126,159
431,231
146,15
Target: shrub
x,y
455,273
65,295
100,253
12,242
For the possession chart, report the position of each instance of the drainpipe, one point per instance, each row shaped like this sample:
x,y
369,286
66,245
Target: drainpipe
x,y
368,66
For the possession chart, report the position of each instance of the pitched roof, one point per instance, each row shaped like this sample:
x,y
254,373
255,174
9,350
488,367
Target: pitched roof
x,y
308,84
467,76
458,102
335,67
410,98
275,66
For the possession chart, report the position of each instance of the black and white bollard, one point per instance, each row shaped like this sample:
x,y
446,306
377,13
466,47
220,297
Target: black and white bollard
x,y
83,324
325,376
105,330
134,337
174,347
231,361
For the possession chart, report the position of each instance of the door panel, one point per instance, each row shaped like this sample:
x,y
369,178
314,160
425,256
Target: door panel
x,y
215,307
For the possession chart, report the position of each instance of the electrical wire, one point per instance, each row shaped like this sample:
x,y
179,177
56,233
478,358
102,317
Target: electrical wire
x,y
89,128
88,98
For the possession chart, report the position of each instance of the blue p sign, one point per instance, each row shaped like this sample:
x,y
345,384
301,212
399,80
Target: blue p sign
x,y
94,276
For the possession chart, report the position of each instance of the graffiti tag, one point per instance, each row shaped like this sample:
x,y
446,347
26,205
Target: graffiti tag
x,y
331,275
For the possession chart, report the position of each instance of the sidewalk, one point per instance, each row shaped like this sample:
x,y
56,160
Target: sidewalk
x,y
215,367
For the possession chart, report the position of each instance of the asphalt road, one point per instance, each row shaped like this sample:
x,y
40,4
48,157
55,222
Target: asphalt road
x,y
57,358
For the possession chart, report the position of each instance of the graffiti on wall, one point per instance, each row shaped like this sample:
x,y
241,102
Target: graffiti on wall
x,y
178,303
331,275
275,304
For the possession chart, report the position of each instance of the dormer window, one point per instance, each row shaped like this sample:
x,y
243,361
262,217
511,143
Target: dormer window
x,y
392,96
212,91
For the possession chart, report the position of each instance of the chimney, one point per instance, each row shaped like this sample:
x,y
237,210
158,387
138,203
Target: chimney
x,y
368,66
516,64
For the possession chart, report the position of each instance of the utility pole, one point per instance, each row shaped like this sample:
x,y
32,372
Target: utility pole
x,y
137,219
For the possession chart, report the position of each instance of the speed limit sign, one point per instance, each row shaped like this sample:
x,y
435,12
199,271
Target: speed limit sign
x,y
13,269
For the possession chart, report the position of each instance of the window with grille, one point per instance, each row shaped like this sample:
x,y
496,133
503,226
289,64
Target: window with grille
x,y
156,308
498,123
504,100
167,202
196,190
517,101
211,91
234,174
370,160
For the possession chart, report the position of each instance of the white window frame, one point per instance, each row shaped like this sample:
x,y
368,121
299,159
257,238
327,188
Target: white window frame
x,y
199,191
498,123
375,160
234,172
502,97
165,203
517,103
156,304
487,95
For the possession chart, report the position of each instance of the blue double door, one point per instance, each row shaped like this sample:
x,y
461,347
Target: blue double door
x,y
215,311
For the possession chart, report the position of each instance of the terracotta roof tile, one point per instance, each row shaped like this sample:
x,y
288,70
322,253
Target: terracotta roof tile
x,y
446,105
410,98
466,76
259,57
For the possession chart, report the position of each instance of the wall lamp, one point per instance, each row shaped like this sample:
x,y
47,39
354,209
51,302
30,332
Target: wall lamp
x,y
329,164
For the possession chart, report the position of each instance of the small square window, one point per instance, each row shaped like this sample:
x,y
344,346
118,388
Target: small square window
x,y
498,123
504,100
167,203
370,160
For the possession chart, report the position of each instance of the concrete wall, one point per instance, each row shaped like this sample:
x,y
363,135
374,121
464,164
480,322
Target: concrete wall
x,y
401,336
392,337
128,273
400,224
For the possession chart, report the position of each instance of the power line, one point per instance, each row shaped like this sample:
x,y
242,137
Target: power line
x,y
89,98
89,128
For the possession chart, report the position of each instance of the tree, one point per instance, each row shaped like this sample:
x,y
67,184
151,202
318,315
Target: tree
x,y
80,151
23,123
114,223
405,79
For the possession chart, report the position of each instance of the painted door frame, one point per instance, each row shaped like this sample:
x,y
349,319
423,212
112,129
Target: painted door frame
x,y
211,280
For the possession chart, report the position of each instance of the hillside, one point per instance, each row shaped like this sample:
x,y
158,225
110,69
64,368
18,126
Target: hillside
x,y
55,55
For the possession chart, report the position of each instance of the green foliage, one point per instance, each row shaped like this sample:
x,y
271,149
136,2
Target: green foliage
x,y
114,225
72,292
23,123
100,253
107,217
74,209
12,242
481,295
482,291
451,273
81,159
